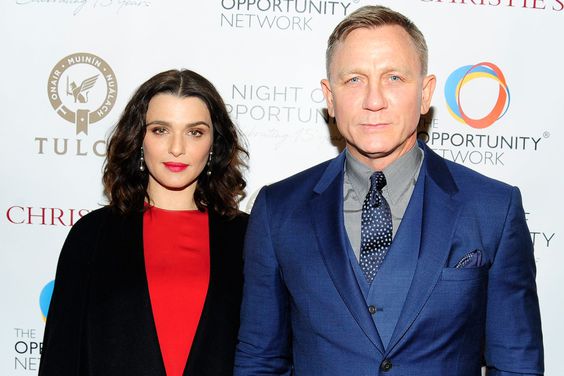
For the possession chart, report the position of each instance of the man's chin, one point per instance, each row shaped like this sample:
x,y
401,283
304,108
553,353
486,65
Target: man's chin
x,y
378,157
372,152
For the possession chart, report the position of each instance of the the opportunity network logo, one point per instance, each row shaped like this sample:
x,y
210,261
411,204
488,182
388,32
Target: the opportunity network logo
x,y
27,345
479,106
464,75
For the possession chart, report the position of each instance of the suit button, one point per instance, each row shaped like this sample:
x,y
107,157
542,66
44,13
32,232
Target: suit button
x,y
372,309
386,365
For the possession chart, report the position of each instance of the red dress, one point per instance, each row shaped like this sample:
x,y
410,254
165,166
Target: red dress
x,y
177,262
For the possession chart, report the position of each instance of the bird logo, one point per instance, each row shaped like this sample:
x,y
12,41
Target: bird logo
x,y
80,93
82,89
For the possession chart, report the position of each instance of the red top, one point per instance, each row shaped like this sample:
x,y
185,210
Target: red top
x,y
177,261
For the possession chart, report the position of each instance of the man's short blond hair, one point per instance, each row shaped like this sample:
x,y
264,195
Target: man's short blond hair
x,y
375,16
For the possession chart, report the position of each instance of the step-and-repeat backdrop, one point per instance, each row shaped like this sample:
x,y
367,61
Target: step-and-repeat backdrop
x,y
497,109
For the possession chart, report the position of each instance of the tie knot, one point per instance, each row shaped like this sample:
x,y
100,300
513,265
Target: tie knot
x,y
377,182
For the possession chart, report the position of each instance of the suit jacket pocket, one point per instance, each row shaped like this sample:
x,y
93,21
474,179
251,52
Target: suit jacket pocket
x,y
464,274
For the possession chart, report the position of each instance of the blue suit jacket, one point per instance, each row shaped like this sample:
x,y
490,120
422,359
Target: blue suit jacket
x,y
304,313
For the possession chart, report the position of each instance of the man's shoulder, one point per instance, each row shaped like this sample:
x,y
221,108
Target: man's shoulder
x,y
471,180
466,179
479,196
303,181
482,195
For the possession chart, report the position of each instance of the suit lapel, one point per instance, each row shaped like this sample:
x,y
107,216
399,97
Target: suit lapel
x,y
326,210
440,215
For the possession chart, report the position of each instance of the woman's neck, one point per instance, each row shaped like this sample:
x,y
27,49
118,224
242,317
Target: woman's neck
x,y
172,199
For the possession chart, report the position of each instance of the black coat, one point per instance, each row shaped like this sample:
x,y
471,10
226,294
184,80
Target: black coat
x,y
100,320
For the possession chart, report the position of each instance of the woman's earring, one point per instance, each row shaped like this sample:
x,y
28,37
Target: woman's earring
x,y
142,161
209,172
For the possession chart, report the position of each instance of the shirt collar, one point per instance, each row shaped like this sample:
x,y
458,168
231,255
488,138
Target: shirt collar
x,y
399,175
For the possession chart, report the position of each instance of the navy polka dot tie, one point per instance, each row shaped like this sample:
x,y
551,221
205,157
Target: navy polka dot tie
x,y
376,228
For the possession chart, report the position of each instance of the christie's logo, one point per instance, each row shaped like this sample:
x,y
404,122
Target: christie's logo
x,y
29,215
82,89
550,5
45,299
462,76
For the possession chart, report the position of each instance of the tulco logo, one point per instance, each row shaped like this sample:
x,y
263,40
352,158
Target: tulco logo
x,y
463,75
82,89
45,299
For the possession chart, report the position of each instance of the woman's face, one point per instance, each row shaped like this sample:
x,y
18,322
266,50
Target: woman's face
x,y
177,144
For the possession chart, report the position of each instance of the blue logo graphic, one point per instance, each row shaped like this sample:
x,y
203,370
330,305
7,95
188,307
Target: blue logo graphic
x,y
45,298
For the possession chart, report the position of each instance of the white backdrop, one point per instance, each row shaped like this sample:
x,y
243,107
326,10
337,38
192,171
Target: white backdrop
x,y
266,58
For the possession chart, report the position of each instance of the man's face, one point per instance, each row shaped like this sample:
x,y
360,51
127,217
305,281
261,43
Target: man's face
x,y
376,92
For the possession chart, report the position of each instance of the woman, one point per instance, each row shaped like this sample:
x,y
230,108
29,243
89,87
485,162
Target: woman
x,y
151,284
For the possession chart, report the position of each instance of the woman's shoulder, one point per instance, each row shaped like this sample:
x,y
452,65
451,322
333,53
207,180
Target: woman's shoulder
x,y
96,221
98,226
95,218
234,224
79,244
240,218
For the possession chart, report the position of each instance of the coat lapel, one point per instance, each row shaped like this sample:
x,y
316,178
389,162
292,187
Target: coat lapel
x,y
328,222
213,347
440,215
200,350
135,224
132,273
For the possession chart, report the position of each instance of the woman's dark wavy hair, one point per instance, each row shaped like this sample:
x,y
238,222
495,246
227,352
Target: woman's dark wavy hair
x,y
126,186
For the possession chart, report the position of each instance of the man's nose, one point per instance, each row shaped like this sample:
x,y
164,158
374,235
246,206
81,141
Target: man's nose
x,y
374,99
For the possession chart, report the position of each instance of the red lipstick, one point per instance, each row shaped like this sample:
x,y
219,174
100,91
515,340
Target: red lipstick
x,y
175,166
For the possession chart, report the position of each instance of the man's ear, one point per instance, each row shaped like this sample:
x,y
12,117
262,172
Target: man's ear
x,y
427,90
328,94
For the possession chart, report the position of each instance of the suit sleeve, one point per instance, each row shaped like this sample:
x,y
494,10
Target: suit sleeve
x,y
63,341
263,347
513,327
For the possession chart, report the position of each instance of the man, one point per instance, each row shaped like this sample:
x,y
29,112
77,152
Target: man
x,y
328,292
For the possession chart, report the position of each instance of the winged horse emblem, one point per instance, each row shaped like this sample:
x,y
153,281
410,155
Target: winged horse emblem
x,y
80,93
